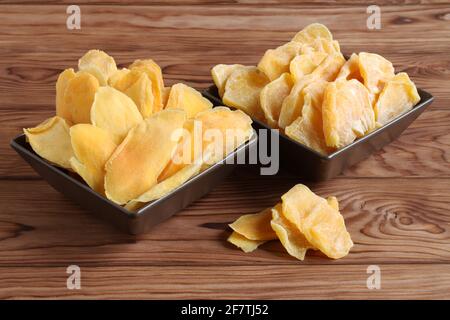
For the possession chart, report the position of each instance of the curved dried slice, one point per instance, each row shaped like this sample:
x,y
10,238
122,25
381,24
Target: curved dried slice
x,y
293,103
275,62
290,237
79,96
321,224
115,112
272,96
243,89
312,32
188,99
51,141
220,74
243,243
398,96
136,85
376,71
321,45
165,95
154,73
305,64
350,70
61,85
255,226
347,112
138,161
92,147
99,64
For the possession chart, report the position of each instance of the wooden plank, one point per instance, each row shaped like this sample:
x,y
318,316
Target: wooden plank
x,y
245,282
391,221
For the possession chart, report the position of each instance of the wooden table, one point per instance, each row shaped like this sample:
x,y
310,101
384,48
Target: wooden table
x,y
396,203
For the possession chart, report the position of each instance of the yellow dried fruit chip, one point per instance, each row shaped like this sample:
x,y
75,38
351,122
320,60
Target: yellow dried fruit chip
x,y
243,243
321,45
61,85
51,141
375,70
275,62
272,96
154,73
399,95
188,99
138,161
220,74
99,64
312,32
243,88
92,147
347,112
255,226
350,70
165,95
114,112
79,96
305,64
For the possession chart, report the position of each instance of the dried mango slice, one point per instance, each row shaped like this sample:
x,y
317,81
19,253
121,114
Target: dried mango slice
x,y
220,74
347,112
375,70
350,70
312,32
154,73
322,225
114,112
305,64
243,88
51,141
272,96
293,103
290,237
99,64
79,96
255,226
398,96
321,45
243,243
138,161
275,62
61,85
92,147
188,99
136,85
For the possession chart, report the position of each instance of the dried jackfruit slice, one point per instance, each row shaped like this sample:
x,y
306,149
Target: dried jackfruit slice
x,y
312,32
51,141
220,74
99,64
243,243
255,226
398,96
321,224
114,112
293,103
243,89
92,147
136,85
188,99
272,96
78,97
61,85
138,161
154,73
347,112
350,70
275,62
376,71
305,64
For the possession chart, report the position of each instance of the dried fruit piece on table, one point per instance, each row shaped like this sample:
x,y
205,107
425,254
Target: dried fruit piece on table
x,y
375,71
255,226
243,89
136,85
61,85
312,32
321,224
272,96
399,95
243,243
114,112
51,141
188,99
99,64
92,147
220,74
275,62
78,97
154,73
137,162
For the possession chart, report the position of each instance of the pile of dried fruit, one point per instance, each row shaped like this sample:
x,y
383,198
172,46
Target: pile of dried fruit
x,y
130,138
301,221
307,89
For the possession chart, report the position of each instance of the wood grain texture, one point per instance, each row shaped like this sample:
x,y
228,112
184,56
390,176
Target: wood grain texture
x,y
396,203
